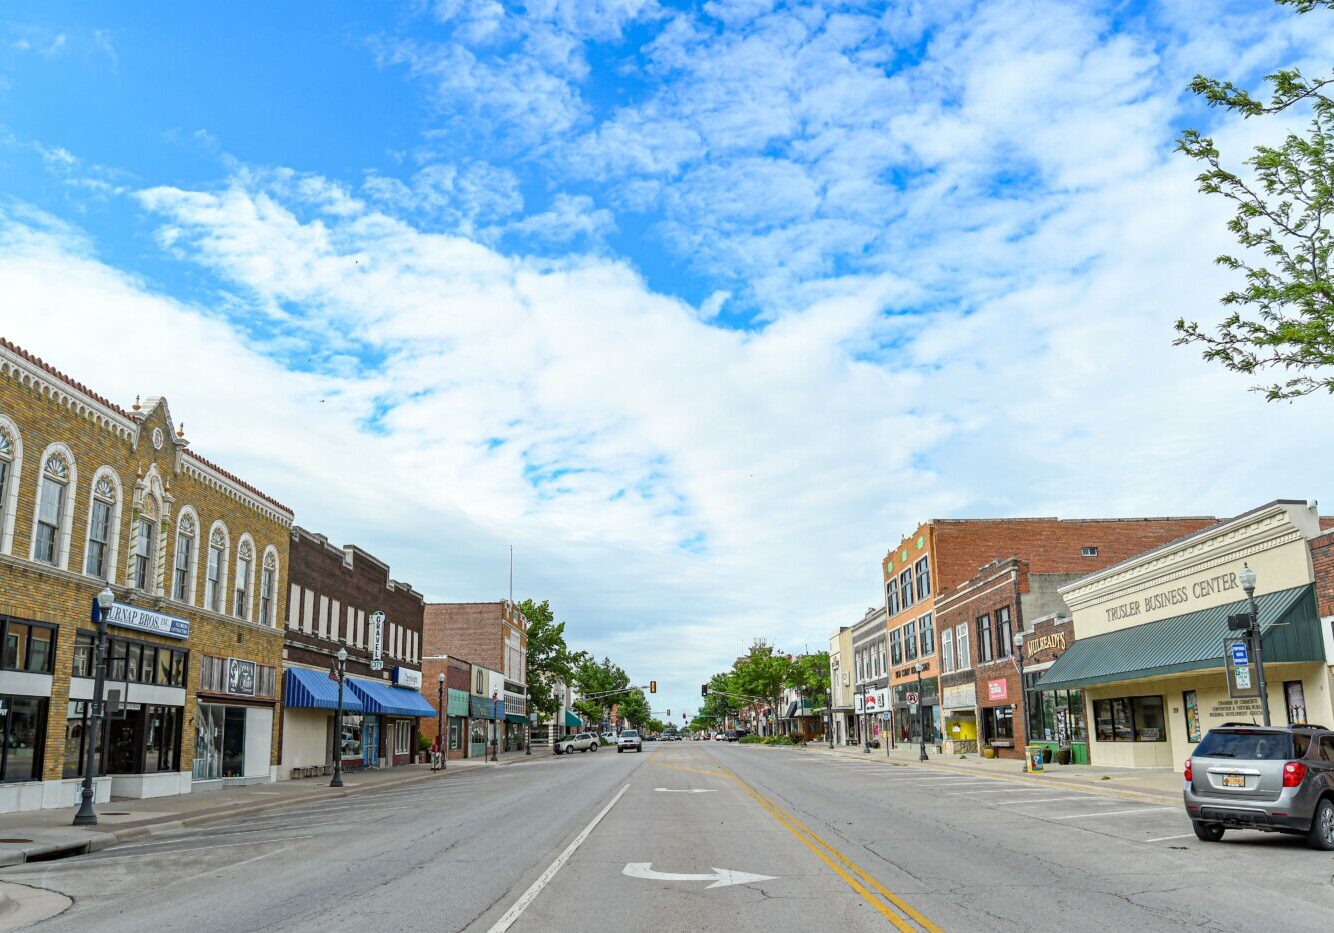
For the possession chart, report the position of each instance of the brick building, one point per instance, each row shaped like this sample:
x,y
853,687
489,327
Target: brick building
x,y
457,698
493,638
93,495
335,595
943,554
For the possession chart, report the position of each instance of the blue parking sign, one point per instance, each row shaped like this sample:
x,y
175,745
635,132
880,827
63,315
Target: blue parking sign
x,y
1240,656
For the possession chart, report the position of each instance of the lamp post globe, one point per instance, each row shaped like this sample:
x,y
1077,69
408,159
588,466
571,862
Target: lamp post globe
x,y
1247,577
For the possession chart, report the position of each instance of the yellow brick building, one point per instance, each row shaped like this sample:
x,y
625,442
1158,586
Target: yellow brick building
x,y
93,495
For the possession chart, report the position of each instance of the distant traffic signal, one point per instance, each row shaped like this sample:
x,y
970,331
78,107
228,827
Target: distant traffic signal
x,y
652,686
703,690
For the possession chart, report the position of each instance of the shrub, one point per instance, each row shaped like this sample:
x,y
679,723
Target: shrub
x,y
751,740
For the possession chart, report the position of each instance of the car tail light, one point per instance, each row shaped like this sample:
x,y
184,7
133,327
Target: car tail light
x,y
1294,772
1188,772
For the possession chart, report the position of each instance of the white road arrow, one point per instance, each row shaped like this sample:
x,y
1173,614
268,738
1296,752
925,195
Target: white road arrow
x,y
682,790
721,877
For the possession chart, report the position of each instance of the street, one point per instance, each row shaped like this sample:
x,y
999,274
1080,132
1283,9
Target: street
x,y
699,836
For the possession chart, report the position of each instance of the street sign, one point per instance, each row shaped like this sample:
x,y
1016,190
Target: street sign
x,y
1239,653
1242,678
885,715
912,697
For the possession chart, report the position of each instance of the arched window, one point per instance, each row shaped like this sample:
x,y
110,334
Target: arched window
x,y
183,565
11,458
103,525
145,545
215,574
268,584
50,534
245,562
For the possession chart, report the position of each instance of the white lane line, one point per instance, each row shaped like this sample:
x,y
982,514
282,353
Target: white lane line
x,y
1165,838
505,922
1052,800
1080,816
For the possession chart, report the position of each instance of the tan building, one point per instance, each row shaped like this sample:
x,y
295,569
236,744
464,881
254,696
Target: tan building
x,y
841,686
1149,649
93,495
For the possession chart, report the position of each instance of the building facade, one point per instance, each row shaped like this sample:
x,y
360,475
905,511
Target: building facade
x,y
1152,637
870,677
92,496
841,687
344,598
491,636
943,555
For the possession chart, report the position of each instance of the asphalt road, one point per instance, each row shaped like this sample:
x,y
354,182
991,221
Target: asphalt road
x,y
700,836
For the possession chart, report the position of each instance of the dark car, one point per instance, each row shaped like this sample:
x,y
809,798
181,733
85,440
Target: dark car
x,y
732,735
1274,779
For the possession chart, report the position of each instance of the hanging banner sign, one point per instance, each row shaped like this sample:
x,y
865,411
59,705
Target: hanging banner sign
x,y
377,640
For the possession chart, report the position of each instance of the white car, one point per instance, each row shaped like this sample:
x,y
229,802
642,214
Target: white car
x,y
583,742
609,737
629,740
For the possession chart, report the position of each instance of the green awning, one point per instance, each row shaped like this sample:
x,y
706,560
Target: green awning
x,y
1190,642
457,702
572,721
516,718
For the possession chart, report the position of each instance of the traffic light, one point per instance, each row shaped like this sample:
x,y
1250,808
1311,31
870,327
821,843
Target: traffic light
x,y
652,686
703,690
669,712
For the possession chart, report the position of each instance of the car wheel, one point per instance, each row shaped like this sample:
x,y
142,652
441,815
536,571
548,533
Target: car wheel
x,y
1321,835
1209,832
569,749
619,750
593,747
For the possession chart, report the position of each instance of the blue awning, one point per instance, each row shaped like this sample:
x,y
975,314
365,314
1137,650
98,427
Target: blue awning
x,y
387,699
314,690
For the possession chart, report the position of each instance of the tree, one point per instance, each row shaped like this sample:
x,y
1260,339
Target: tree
x,y
550,660
1283,315
763,672
810,675
721,701
598,677
633,707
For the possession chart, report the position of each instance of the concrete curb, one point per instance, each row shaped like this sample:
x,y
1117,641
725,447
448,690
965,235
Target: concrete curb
x,y
1040,780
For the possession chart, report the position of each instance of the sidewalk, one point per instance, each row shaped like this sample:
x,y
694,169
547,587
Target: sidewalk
x,y
37,835
1155,784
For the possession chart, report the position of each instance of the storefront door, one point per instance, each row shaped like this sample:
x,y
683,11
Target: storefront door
x,y
477,738
233,742
370,742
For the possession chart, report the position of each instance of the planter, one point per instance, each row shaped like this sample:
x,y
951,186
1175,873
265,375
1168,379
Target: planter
x,y
1046,754
1063,756
988,752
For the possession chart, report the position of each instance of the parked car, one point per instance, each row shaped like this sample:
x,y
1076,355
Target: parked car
x,y
1274,779
580,742
629,740
719,737
609,737
732,735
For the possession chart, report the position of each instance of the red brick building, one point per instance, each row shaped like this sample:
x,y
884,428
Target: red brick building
x,y
457,687
491,636
343,598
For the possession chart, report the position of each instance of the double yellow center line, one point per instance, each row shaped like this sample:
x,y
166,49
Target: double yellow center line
x,y
892,907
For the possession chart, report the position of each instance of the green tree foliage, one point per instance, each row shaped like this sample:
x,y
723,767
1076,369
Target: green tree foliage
x,y
550,659
721,701
634,707
1282,317
592,676
763,672
809,676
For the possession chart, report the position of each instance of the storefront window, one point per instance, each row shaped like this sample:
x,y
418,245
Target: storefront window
x,y
209,722
998,723
27,647
1130,719
76,724
136,662
1055,715
1191,704
162,738
351,741
233,742
455,735
24,731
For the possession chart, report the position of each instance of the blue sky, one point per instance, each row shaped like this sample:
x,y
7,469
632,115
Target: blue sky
x,y
700,305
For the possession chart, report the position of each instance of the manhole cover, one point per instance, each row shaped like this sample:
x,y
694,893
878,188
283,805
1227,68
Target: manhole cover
x,y
5,841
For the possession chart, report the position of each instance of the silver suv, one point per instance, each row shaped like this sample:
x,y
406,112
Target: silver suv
x,y
1275,779
583,742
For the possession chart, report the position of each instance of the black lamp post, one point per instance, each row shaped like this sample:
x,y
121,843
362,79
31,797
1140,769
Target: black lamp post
x,y
921,714
1023,686
495,727
532,724
1253,636
440,725
101,605
829,708
338,721
866,726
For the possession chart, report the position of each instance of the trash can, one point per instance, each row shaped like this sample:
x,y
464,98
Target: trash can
x,y
1033,763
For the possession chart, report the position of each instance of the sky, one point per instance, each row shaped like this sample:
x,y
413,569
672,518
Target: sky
x,y
700,306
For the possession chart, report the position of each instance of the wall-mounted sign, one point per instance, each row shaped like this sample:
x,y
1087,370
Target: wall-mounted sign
x,y
998,689
873,702
1033,645
407,677
377,640
859,703
241,677
146,620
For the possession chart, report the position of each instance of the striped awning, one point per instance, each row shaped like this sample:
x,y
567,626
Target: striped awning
x,y
386,699
304,689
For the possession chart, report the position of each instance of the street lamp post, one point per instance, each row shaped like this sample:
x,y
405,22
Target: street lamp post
x,y
495,728
338,721
921,714
101,605
532,724
440,726
866,728
1253,636
829,707
1023,687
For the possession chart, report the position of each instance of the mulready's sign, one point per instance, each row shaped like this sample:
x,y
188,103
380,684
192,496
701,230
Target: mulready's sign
x,y
146,620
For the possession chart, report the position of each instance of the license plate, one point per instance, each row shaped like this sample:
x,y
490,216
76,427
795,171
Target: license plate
x,y
1234,780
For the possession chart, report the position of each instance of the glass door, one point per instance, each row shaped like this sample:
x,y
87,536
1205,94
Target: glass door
x,y
209,721
370,742
233,742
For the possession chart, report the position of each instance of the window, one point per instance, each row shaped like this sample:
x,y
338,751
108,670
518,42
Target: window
x,y
162,738
83,655
1130,719
185,558
892,598
998,724
245,558
984,642
8,452
1004,637
1054,715
910,641
51,510
961,647
402,737
1089,552
96,562
895,647
923,570
143,555
946,650
926,630
860,676
268,581
905,588
217,554
22,736
880,654
28,646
